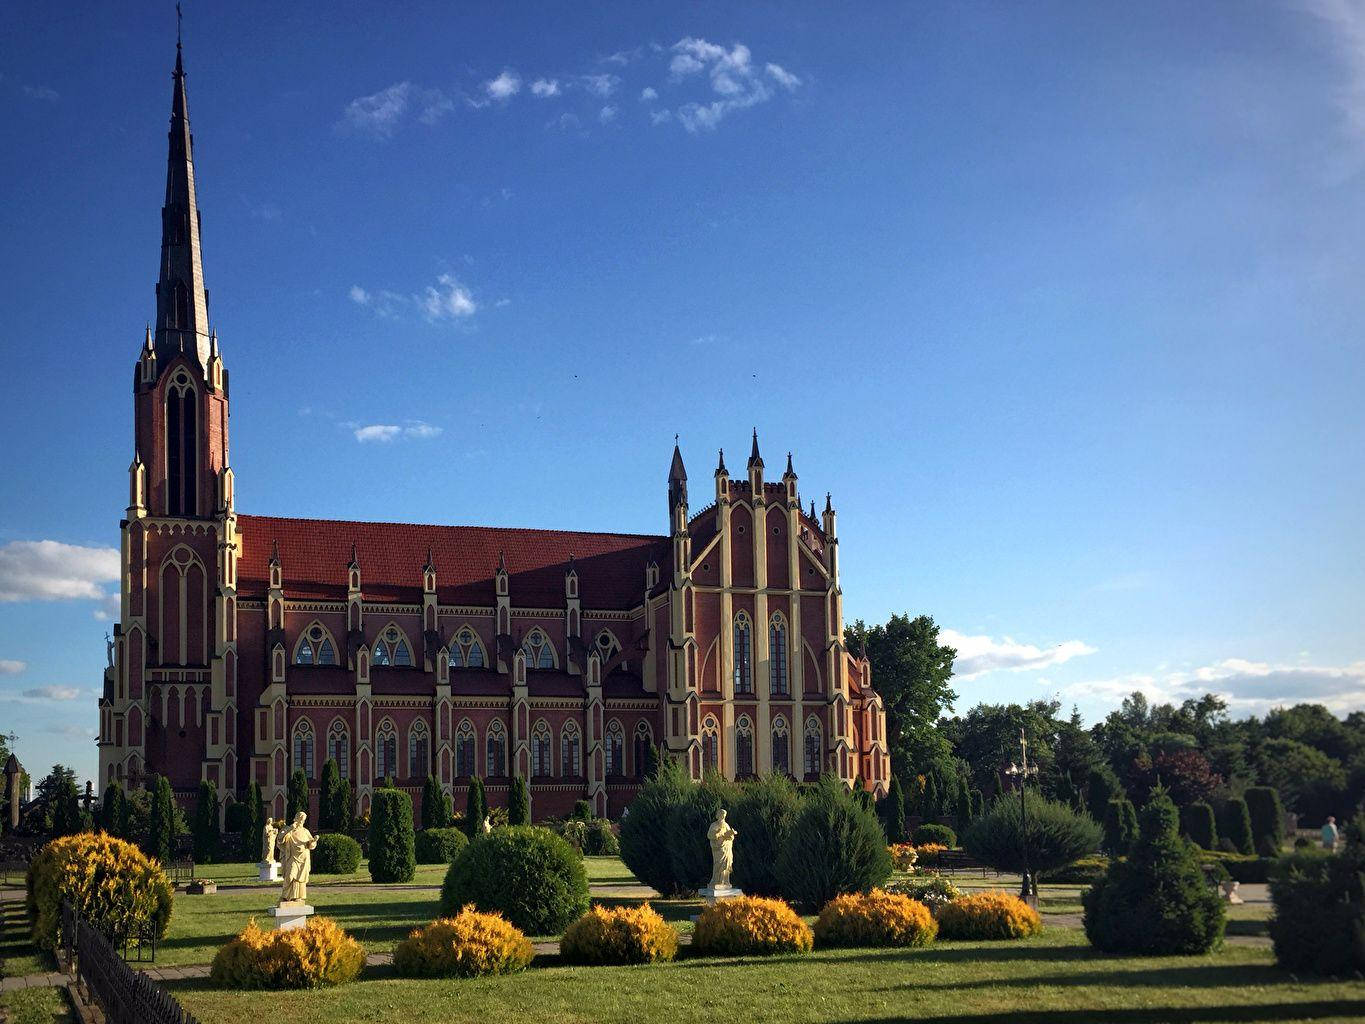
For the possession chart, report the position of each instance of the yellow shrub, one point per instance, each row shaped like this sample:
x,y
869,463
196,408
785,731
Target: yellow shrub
x,y
748,925
626,935
314,956
903,856
468,944
930,853
877,918
988,915
112,884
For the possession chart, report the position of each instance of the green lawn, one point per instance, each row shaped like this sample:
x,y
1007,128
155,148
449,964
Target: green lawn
x,y
19,957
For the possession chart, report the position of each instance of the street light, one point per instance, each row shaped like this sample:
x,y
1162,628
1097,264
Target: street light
x,y
1021,772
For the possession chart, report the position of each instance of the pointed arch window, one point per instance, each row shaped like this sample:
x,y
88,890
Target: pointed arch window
x,y
542,763
182,447
180,306
303,747
570,751
607,645
392,648
744,747
777,655
465,745
466,651
339,746
782,748
540,653
419,751
497,750
385,751
814,747
615,749
644,739
315,647
744,650
710,745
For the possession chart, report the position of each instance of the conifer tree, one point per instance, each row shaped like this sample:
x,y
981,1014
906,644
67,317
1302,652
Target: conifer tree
x,y
160,841
66,812
114,811
476,808
433,804
206,834
333,811
297,797
519,803
1120,826
253,824
893,818
1234,825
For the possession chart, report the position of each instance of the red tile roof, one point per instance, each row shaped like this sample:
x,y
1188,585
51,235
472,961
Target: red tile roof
x,y
314,553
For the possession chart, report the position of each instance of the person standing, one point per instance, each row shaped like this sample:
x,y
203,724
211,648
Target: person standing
x,y
1329,834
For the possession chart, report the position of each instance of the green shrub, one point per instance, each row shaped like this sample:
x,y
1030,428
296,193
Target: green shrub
x,y
114,811
529,875
518,803
1101,786
1056,835
440,845
1267,820
1120,826
893,814
296,795
941,835
762,814
1196,822
582,810
592,837
1156,902
1319,921
434,807
1085,871
252,839
644,828
336,854
688,821
391,843
835,846
1234,826
1240,867
206,835
476,808
334,799
161,826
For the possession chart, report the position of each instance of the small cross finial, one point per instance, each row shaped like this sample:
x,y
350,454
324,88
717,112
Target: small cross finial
x,y
675,438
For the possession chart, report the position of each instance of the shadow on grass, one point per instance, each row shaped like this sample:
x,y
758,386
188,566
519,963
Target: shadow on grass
x,y
1248,926
1200,975
1351,1009
360,919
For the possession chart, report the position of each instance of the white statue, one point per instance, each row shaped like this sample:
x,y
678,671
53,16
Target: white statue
x,y
268,842
487,825
722,837
298,844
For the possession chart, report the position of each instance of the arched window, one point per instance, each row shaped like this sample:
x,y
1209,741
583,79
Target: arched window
x,y
339,746
744,650
315,646
419,750
542,764
184,609
782,747
744,747
392,648
777,655
710,745
607,645
385,751
570,751
466,651
815,747
465,745
540,653
644,739
303,747
497,750
180,306
615,749
182,446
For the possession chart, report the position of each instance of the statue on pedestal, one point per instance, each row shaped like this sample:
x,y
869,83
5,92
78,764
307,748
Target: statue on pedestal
x,y
268,842
722,838
298,845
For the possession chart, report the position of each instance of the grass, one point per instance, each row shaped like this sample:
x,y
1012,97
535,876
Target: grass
x,y
18,957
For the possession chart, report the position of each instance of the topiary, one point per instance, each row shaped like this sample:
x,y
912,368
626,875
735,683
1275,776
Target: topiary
x,y
476,808
748,926
252,835
1196,822
1120,826
644,828
988,915
433,805
518,803
877,918
1319,921
1056,834
1155,902
762,814
160,841
621,935
528,874
206,834
933,833
1234,826
1085,871
688,821
110,883
296,794
440,845
1267,820
893,812
465,945
336,854
835,846
334,799
317,955
392,856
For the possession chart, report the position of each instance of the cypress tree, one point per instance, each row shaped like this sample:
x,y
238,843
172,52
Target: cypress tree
x,y
929,809
1196,822
519,803
893,819
651,762
393,855
66,813
978,804
1267,820
964,807
1100,788
114,811
332,801
160,842
1120,826
1234,825
476,808
253,824
206,834
433,804
297,799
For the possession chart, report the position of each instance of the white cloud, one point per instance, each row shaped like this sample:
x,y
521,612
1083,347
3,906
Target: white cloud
x,y
386,432
545,87
607,114
504,87
447,300
684,64
601,86
380,113
75,732
419,429
9,667
53,693
41,92
783,77
109,608
660,116
977,655
359,295
735,81
648,93
47,570
1345,21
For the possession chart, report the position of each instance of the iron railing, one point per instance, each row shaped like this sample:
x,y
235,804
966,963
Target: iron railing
x,y
102,976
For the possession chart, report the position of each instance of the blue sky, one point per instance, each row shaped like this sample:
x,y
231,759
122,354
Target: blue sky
x,y
1062,301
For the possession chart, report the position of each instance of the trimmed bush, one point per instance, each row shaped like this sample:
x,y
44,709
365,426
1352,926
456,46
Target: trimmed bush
x,y
1155,902
207,838
644,829
317,955
762,814
519,803
1319,922
253,838
582,810
1086,871
988,915
1234,826
749,926
1196,822
941,835
440,845
688,821
1101,786
592,837
932,890
877,918
1267,820
334,799
1120,826
835,846
110,882
1239,868
336,854
931,854
1057,834
160,841
392,856
463,946
433,805
476,808
528,874
621,935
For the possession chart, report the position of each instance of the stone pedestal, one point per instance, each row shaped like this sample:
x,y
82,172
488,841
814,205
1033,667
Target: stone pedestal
x,y
1230,893
293,914
269,872
720,892
202,887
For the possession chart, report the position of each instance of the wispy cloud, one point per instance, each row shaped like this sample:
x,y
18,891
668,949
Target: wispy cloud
x,y
381,112
735,81
360,296
607,114
387,432
70,731
504,87
977,654
41,92
53,693
446,300
1345,22
545,87
648,93
600,86
10,667
48,570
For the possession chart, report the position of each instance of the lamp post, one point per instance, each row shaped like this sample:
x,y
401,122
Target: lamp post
x,y
1021,772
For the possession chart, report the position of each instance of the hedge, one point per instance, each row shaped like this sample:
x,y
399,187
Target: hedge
x,y
391,843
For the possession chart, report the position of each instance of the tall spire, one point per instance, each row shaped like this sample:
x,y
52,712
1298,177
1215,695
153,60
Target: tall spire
x,y
182,322
754,458
677,478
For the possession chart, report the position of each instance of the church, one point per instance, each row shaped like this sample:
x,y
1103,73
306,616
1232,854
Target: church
x,y
250,646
